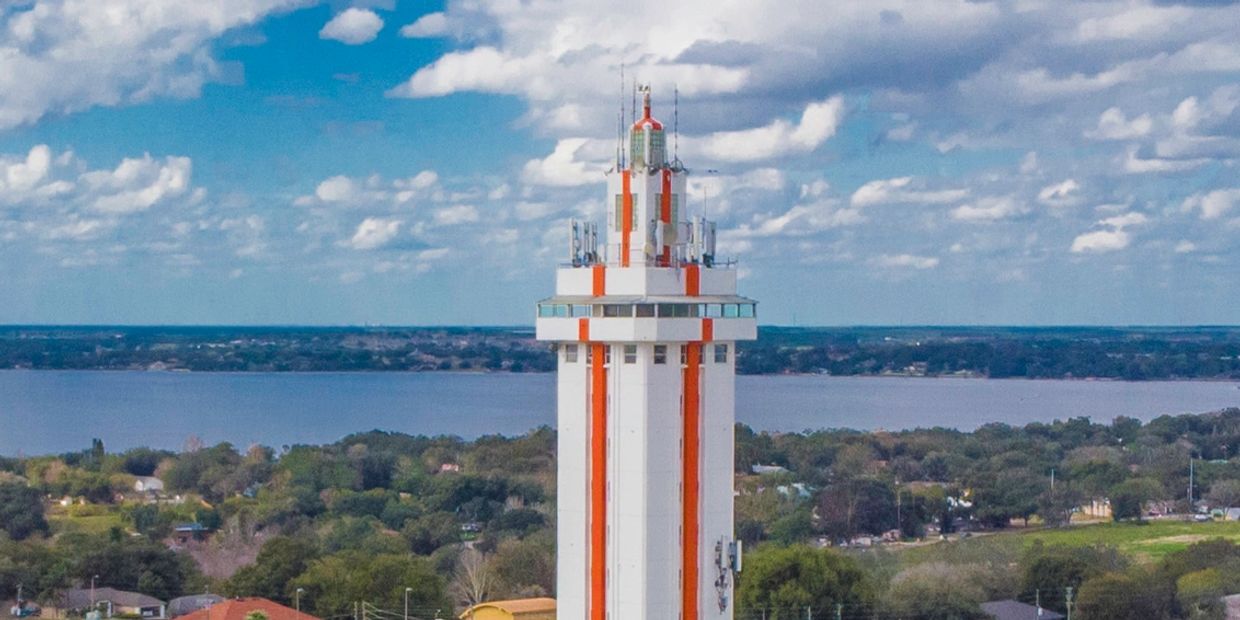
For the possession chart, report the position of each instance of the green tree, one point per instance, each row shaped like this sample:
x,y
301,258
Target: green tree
x,y
280,561
21,511
525,568
937,591
1124,596
1199,593
334,582
785,580
1048,570
1129,497
1225,493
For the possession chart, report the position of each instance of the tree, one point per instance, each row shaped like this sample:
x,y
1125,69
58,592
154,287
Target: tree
x,y
21,511
525,568
1123,596
1199,593
473,580
1048,570
280,561
785,580
937,591
1129,497
1225,493
334,582
857,505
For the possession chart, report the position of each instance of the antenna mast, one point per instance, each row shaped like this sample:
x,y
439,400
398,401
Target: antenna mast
x,y
620,125
676,124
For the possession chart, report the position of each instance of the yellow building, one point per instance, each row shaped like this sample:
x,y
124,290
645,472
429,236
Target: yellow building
x,y
520,609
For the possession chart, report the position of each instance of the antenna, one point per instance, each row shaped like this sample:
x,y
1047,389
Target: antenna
x,y
633,112
620,125
675,124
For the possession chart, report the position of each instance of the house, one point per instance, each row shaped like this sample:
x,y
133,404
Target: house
x,y
1016,610
186,532
519,609
178,607
763,470
149,485
445,468
239,608
113,602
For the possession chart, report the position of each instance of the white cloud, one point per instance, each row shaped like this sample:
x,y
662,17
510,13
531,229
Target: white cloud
x,y
906,261
1133,163
336,189
456,214
139,184
374,232
1185,247
1060,194
1113,125
819,121
1214,204
989,209
1100,241
429,25
562,168
353,26
63,56
899,191
1114,238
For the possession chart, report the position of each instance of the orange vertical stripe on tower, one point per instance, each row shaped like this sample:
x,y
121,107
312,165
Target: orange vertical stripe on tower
x,y
600,280
693,280
691,475
598,483
583,329
665,214
626,213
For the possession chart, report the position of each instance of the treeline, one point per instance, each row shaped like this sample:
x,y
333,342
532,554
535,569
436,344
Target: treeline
x,y
373,513
1036,353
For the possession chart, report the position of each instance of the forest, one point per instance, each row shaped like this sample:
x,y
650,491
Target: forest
x,y
966,517
1125,353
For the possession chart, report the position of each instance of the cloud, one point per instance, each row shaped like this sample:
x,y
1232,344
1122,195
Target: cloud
x,y
989,209
1111,239
819,121
1113,125
374,232
1185,247
1212,205
456,214
64,56
353,26
429,25
1060,194
139,184
899,191
562,168
906,261
19,176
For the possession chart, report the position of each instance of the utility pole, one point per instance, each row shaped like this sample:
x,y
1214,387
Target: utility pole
x,y
297,601
899,523
1069,600
1190,482
839,611
809,613
1052,480
1037,597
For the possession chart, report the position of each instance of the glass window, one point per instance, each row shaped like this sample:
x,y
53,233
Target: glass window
x,y
619,211
597,310
684,354
667,310
714,311
589,354
721,354
682,311
660,354
570,353
730,311
561,310
545,310
618,310
579,311
630,354
746,311
607,355
675,208
645,310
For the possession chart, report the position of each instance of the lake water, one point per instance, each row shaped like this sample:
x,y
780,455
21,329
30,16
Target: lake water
x,y
55,411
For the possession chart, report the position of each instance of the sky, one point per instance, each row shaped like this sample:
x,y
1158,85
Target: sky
x,y
409,162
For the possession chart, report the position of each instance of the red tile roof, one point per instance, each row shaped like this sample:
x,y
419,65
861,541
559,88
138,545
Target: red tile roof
x,y
238,608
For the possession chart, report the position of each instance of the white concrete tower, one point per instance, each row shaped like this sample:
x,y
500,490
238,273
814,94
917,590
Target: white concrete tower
x,y
647,348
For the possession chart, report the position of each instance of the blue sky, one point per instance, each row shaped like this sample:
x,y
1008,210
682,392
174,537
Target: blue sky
x,y
393,162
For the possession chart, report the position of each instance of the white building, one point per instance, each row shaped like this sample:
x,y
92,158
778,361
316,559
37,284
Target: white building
x,y
647,333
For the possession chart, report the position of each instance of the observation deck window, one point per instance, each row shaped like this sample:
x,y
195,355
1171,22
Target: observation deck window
x,y
730,311
580,311
645,310
618,310
721,354
660,354
747,311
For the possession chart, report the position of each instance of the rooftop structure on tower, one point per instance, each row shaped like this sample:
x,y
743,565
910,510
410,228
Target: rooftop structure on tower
x,y
646,326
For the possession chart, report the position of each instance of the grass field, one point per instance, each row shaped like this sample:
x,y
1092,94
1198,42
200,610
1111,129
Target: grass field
x,y
1149,541
62,522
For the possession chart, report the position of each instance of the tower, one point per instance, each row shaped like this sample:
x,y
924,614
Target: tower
x,y
645,335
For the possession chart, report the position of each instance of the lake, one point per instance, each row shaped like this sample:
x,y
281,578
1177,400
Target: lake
x,y
56,411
